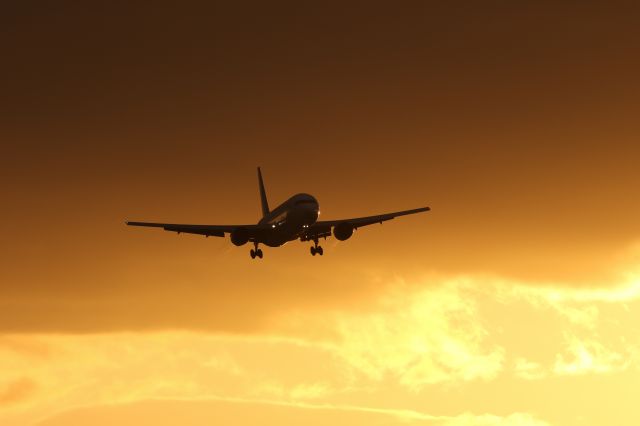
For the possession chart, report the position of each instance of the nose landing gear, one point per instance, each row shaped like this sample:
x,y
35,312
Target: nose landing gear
x,y
316,248
255,252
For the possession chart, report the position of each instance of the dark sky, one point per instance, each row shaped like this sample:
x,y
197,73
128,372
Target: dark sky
x,y
517,122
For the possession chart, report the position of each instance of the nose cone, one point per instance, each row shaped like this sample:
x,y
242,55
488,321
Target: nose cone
x,y
308,207
311,211
307,197
313,205
312,216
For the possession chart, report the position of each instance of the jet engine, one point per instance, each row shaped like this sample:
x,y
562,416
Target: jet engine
x,y
343,231
240,236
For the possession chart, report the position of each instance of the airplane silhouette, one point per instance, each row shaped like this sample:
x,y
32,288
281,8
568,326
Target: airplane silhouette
x,y
296,218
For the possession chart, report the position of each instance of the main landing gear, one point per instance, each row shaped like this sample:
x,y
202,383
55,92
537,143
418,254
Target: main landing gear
x,y
316,248
256,252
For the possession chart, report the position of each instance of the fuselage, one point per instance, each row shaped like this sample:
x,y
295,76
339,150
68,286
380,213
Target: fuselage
x,y
289,220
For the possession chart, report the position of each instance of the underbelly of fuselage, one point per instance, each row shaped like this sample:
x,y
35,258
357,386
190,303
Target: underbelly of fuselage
x,y
292,228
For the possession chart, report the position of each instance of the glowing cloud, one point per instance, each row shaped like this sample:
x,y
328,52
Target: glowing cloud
x,y
429,339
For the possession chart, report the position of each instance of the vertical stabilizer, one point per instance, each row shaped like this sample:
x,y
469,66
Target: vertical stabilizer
x,y
263,195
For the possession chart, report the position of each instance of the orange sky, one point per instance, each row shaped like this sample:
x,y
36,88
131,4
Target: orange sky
x,y
513,302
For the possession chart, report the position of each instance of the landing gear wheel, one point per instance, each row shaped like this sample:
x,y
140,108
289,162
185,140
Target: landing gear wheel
x,y
316,249
255,251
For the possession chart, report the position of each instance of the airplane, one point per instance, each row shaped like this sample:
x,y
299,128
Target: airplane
x,y
296,218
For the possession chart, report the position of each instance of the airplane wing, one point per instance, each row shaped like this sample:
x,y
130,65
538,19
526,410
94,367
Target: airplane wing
x,y
323,228
206,230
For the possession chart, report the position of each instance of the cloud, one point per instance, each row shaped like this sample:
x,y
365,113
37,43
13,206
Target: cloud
x,y
24,345
457,329
418,338
588,356
17,391
515,419
450,341
529,370
256,412
300,392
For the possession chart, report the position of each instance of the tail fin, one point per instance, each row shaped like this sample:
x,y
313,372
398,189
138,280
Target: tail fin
x,y
263,195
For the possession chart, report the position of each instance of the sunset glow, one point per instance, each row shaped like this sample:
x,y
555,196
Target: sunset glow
x,y
514,302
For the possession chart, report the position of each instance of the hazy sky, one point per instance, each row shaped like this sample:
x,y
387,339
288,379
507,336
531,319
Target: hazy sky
x,y
510,303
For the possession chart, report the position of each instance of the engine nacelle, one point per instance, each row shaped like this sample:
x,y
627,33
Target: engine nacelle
x,y
240,236
343,231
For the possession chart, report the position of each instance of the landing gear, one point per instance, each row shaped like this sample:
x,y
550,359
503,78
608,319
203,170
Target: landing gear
x,y
316,248
255,252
